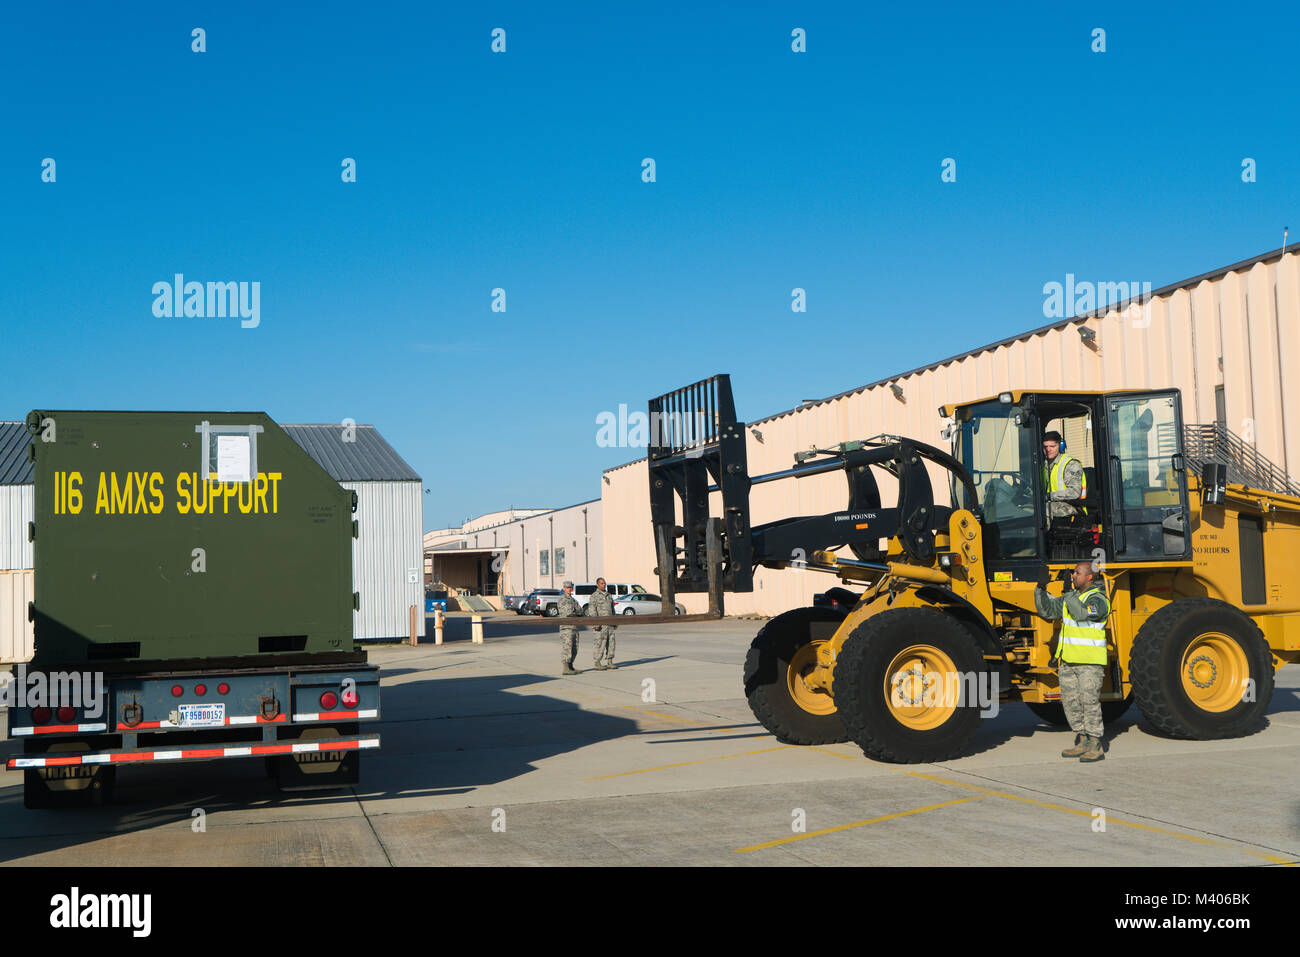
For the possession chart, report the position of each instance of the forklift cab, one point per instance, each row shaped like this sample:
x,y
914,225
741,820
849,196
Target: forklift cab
x,y
1129,445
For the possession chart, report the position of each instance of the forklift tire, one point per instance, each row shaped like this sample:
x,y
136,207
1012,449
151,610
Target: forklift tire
x,y
1201,669
890,706
777,695
1053,712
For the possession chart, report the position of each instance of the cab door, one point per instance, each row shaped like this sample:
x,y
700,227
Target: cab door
x,y
1147,500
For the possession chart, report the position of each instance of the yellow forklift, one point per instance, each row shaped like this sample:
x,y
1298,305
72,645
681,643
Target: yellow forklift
x,y
1193,532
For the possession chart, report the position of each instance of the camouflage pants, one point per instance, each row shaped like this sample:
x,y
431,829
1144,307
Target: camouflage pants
x,y
1081,697
604,645
568,645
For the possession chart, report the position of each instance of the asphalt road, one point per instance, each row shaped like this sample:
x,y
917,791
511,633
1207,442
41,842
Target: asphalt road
x,y
489,756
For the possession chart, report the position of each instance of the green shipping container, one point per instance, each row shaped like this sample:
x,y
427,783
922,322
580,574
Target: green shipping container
x,y
180,535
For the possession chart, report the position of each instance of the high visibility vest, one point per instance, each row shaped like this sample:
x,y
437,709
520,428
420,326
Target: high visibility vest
x,y
1054,477
1083,642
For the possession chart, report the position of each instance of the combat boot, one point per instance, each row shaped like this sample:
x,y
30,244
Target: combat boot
x,y
610,666
1080,746
598,666
568,669
1093,751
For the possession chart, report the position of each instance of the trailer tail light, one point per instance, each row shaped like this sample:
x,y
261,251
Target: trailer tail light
x,y
177,691
200,690
350,698
66,715
223,688
40,715
328,700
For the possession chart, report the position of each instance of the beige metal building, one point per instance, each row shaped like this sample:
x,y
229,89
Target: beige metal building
x,y
511,553
1229,340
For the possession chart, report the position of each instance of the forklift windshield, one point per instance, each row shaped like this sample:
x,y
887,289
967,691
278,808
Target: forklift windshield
x,y
997,449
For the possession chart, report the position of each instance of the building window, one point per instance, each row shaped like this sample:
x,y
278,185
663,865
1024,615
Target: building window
x,y
544,562
559,561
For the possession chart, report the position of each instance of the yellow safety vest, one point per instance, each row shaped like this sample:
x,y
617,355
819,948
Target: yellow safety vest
x,y
1083,642
1054,478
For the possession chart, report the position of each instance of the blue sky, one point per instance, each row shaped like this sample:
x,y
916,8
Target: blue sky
x,y
522,171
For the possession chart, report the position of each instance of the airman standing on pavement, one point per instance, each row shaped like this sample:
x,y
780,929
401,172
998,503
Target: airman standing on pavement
x,y
1082,653
602,605
568,608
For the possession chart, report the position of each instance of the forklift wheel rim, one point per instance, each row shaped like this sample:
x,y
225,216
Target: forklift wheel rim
x,y
1214,672
921,685
809,699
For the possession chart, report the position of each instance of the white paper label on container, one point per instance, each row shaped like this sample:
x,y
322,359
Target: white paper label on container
x,y
233,458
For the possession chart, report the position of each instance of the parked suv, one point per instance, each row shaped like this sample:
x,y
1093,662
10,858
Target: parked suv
x,y
582,593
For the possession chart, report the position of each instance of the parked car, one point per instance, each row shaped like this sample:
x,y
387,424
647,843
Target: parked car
x,y
643,603
513,603
582,593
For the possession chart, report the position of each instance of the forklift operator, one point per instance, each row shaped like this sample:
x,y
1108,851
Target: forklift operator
x,y
1063,481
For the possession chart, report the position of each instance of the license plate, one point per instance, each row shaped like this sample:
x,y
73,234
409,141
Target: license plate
x,y
202,715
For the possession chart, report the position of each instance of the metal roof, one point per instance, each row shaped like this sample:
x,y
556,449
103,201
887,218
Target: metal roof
x,y
14,467
368,459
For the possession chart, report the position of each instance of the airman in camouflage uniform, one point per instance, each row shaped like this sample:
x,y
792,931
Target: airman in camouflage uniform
x,y
1063,480
569,608
602,605
1082,656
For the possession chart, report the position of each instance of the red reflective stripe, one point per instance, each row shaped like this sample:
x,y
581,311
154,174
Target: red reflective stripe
x,y
61,762
274,749
322,715
136,727
278,717
132,756
204,753
56,728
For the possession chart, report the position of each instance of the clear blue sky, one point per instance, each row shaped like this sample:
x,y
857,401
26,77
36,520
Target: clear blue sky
x,y
522,171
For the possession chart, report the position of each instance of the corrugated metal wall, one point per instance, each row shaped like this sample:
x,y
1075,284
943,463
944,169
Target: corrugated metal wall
x,y
17,509
387,557
1239,331
16,632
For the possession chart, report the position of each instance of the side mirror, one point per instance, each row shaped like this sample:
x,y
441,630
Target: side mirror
x,y
1214,483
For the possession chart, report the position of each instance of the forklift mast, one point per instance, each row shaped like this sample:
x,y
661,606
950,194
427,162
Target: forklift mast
x,y
697,447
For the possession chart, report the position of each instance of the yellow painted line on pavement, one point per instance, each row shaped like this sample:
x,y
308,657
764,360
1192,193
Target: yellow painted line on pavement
x,y
845,827
846,757
1109,819
682,764
660,714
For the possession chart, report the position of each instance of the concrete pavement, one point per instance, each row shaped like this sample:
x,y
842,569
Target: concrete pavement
x,y
490,757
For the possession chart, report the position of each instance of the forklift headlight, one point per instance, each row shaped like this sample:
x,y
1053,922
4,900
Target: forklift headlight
x,y
1004,398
